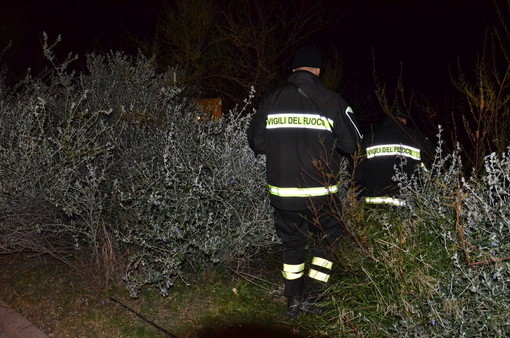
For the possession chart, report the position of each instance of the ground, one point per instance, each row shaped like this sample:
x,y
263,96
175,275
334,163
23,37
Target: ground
x,y
63,302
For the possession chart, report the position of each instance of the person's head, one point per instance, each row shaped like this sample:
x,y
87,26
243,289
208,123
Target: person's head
x,y
307,58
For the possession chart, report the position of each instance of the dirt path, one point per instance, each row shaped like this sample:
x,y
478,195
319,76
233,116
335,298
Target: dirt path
x,y
13,324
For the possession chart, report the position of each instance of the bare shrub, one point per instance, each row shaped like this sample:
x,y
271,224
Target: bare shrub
x,y
113,161
469,217
437,267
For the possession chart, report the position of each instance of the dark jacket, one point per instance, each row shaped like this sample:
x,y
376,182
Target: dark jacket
x,y
383,149
300,138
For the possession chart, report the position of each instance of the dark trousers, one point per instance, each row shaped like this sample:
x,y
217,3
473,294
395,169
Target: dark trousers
x,y
295,229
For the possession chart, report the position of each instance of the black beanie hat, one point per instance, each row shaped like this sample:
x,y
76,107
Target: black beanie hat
x,y
307,57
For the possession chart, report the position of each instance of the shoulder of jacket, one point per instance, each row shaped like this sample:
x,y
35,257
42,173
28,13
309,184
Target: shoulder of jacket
x,y
335,96
339,101
288,87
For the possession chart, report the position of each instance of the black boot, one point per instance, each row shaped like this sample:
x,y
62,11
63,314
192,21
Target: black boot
x,y
293,306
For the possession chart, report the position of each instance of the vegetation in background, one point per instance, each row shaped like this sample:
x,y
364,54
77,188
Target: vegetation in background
x,y
439,266
114,163
227,48
485,126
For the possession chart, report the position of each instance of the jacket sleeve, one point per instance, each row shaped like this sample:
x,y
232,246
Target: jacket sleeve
x,y
257,130
347,131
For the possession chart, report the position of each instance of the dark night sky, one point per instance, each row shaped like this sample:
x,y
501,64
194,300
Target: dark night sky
x,y
427,36
85,26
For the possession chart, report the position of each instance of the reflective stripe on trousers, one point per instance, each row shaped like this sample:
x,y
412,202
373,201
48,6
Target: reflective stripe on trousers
x,y
293,271
324,265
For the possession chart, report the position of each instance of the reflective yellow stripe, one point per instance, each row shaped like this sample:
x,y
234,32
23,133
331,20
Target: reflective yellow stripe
x,y
302,192
293,271
291,275
385,200
320,276
293,267
308,121
392,150
322,262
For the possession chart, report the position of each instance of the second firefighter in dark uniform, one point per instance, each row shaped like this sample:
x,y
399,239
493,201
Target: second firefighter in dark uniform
x,y
392,144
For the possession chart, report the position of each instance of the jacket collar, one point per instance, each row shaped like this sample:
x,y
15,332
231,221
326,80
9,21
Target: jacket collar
x,y
300,77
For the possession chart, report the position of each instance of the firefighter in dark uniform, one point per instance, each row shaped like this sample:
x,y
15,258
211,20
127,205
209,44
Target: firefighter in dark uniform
x,y
392,144
301,127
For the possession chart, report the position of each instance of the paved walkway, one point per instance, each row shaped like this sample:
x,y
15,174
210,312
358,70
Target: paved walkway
x,y
14,325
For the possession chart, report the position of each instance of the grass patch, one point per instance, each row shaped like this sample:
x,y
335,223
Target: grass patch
x,y
216,304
